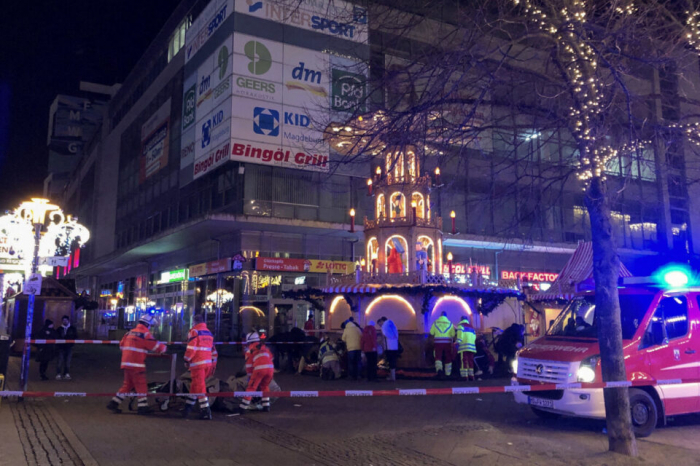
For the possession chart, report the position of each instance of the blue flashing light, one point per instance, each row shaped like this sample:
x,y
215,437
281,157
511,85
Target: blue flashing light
x,y
675,276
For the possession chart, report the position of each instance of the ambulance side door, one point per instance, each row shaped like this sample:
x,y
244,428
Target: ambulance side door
x,y
672,353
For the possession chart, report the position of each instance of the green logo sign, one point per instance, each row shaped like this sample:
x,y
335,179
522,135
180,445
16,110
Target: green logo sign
x,y
348,91
259,56
223,62
189,104
173,276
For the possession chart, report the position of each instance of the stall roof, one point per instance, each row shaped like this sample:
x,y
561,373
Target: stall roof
x,y
577,269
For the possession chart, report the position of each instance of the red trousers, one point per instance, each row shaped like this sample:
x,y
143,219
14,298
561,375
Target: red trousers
x,y
259,381
467,369
134,381
444,351
199,378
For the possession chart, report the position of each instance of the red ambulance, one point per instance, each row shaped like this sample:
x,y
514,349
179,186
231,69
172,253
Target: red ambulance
x,y
661,338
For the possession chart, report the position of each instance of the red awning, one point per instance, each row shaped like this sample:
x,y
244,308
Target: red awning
x,y
577,269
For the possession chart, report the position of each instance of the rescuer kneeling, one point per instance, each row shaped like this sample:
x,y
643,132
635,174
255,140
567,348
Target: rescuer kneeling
x,y
259,366
134,347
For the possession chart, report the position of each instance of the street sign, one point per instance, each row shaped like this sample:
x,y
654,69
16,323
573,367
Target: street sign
x,y
56,261
33,285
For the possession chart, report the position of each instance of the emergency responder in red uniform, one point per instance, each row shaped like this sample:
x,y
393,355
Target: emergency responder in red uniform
x,y
443,333
201,357
135,346
258,364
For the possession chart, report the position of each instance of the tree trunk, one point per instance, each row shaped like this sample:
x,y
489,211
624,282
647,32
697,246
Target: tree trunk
x,y
606,265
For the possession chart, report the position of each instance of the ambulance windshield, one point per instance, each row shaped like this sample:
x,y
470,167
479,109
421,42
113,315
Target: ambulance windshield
x,y
578,319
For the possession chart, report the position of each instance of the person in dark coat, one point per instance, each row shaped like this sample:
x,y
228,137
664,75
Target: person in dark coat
x,y
508,345
45,353
65,350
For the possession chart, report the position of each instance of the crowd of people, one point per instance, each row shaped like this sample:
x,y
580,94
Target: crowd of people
x,y
359,348
358,353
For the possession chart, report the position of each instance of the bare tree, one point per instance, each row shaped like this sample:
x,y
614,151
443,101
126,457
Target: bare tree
x,y
458,80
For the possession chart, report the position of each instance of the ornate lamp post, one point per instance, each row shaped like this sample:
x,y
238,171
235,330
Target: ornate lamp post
x,y
60,234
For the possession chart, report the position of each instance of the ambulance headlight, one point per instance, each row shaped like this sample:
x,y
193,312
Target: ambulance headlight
x,y
586,371
514,365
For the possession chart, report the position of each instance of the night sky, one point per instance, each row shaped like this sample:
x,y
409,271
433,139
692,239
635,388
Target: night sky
x,y
47,48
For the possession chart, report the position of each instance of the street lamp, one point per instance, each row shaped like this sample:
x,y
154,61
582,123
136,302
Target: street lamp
x,y
452,216
352,220
60,234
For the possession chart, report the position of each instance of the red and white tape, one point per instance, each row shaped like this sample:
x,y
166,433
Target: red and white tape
x,y
364,393
116,342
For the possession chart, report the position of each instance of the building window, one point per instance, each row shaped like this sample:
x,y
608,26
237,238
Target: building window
x,y
177,40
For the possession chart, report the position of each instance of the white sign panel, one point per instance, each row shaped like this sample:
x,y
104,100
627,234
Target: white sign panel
x,y
206,24
257,68
212,159
187,148
213,129
305,78
57,261
32,286
334,18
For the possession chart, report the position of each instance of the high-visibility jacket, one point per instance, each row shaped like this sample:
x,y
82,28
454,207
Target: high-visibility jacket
x,y
258,358
135,345
327,352
466,338
200,346
442,330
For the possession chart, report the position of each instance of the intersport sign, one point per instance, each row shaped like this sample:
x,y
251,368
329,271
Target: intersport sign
x,y
334,18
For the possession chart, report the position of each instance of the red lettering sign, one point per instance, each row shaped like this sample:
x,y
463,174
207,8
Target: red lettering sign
x,y
271,155
528,276
465,269
276,264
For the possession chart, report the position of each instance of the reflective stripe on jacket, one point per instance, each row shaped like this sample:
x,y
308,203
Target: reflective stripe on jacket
x,y
466,338
135,345
258,358
442,330
200,346
327,352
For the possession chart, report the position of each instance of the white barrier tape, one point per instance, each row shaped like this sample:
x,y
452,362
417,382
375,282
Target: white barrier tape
x,y
358,392
465,390
617,384
304,394
564,386
365,393
413,392
517,388
669,382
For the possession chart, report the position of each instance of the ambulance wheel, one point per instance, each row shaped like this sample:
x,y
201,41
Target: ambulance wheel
x,y
542,414
645,413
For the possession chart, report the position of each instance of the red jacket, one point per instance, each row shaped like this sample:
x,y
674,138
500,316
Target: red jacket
x,y
368,342
258,358
135,346
200,346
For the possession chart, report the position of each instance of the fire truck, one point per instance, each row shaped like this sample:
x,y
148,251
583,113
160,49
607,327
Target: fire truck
x,y
661,338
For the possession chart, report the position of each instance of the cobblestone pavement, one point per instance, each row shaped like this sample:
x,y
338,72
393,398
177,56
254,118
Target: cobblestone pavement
x,y
406,431
43,441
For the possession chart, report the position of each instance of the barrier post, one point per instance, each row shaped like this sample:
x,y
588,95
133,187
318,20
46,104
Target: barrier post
x,y
173,368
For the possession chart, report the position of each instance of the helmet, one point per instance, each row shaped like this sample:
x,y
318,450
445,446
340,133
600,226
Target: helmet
x,y
149,320
252,337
